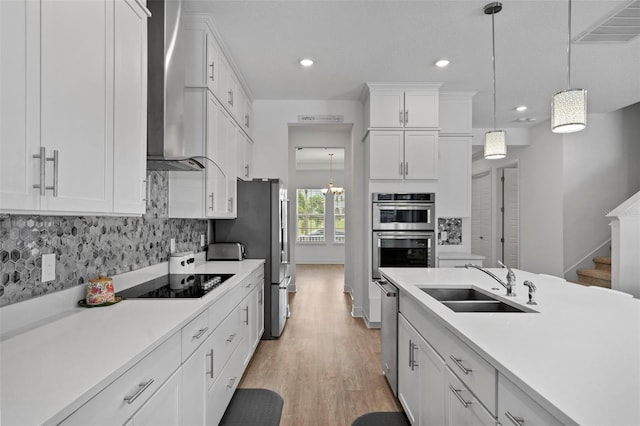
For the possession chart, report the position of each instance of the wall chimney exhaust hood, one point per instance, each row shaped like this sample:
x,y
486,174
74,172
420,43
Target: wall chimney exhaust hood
x,y
166,147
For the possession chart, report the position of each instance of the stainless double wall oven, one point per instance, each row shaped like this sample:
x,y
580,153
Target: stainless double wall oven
x,y
403,230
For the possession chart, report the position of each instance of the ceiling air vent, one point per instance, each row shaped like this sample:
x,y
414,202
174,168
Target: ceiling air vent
x,y
618,28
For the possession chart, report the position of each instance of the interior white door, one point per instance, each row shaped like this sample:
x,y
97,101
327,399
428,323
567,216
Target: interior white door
x,y
511,223
481,217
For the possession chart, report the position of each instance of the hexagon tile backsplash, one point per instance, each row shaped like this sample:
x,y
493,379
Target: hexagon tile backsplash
x,y
86,246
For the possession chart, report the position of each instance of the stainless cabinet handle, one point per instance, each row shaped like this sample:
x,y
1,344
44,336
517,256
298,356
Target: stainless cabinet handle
x,y
517,421
246,121
401,117
401,169
406,117
406,168
230,99
211,76
410,352
211,206
210,354
246,309
458,362
141,388
42,170
456,392
200,333
55,173
231,382
260,297
246,170
413,357
231,337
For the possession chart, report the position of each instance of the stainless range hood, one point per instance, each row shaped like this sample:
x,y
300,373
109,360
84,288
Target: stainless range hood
x,y
166,147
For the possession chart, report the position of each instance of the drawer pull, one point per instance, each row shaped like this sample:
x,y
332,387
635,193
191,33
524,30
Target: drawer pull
x,y
211,355
231,337
246,321
517,421
200,333
458,362
456,392
141,388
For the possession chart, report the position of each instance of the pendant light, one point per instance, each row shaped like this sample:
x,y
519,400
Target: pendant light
x,y
495,141
331,189
569,107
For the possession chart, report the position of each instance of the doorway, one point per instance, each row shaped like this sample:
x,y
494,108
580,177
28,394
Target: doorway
x,y
481,213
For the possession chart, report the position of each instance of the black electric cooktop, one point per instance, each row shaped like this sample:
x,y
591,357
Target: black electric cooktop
x,y
175,286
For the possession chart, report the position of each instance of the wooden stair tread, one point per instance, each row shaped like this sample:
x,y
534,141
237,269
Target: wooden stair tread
x,y
602,259
595,273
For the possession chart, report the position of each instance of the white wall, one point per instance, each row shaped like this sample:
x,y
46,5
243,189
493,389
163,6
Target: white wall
x,y
271,159
540,166
601,169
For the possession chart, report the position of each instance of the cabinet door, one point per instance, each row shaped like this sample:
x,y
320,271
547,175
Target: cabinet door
x,y
420,155
386,154
387,108
433,372
164,408
260,310
408,373
77,103
454,177
421,108
244,155
19,105
223,131
462,407
196,373
130,108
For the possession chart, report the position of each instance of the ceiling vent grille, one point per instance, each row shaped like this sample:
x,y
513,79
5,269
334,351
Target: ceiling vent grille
x,y
621,27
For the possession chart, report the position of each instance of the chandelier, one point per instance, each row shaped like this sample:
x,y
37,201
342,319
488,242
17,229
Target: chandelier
x,y
331,189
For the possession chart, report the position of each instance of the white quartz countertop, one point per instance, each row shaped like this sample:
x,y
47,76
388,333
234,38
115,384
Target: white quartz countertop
x,y
579,356
50,371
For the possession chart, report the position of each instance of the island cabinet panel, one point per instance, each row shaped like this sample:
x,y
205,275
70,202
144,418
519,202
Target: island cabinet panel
x,y
516,408
463,407
165,408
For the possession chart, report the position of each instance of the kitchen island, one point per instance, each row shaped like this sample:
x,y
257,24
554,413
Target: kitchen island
x,y
574,360
87,366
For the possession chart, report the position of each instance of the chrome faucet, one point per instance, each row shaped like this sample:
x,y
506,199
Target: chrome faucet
x,y
511,277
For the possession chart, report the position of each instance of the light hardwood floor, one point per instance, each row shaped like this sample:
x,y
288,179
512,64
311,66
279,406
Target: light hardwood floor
x,y
326,363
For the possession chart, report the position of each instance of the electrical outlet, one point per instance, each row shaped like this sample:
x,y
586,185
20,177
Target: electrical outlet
x,y
172,245
202,240
48,267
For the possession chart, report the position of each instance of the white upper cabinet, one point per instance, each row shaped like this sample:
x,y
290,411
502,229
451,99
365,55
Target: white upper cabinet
x,y
406,106
59,147
408,154
130,108
456,113
454,177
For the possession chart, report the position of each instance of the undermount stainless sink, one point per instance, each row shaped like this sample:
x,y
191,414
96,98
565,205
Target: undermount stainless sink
x,y
456,294
471,300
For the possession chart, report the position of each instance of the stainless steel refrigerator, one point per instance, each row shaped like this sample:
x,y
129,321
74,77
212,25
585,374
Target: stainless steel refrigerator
x,y
263,210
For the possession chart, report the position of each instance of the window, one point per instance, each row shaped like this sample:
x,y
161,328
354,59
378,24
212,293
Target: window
x,y
338,218
310,215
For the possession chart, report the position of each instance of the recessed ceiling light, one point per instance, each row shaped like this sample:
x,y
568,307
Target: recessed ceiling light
x,y
521,108
442,63
527,119
306,62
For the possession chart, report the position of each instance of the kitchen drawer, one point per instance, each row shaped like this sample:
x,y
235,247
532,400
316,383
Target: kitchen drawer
x,y
137,384
225,340
462,407
476,373
220,394
515,407
194,333
223,307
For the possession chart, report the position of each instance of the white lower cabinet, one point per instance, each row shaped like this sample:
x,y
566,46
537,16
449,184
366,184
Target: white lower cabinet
x,y
421,375
516,408
164,408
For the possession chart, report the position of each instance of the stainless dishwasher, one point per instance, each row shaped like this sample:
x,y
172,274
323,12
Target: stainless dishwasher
x,y
389,333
